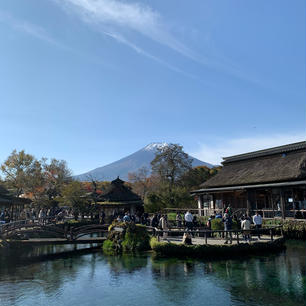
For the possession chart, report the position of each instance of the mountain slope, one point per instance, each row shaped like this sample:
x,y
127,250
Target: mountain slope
x,y
130,163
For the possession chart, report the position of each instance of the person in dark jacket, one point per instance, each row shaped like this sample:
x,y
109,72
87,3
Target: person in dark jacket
x,y
227,220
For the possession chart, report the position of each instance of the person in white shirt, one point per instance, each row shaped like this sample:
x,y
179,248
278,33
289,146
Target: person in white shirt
x,y
257,220
189,220
246,226
164,225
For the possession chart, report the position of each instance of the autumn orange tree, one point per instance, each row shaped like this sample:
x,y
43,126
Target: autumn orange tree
x,y
39,180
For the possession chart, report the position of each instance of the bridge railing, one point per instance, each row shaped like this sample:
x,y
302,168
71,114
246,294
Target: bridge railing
x,y
11,226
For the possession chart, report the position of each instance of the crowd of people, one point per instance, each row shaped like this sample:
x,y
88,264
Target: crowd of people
x,y
40,214
245,222
186,221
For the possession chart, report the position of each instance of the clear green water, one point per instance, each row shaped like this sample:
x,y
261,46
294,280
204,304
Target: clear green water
x,y
96,279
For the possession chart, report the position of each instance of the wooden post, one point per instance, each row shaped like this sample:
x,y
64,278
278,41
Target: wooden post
x,y
237,233
282,203
271,202
200,204
205,237
248,202
271,234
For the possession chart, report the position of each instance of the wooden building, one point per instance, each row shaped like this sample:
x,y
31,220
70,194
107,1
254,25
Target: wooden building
x,y
272,181
13,205
119,199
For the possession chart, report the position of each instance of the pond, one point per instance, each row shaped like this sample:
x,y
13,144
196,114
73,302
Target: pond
x,y
95,279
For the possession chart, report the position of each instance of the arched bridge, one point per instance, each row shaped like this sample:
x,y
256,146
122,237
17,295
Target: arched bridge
x,y
18,229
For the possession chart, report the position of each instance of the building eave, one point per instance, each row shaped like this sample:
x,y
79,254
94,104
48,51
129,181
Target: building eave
x,y
245,187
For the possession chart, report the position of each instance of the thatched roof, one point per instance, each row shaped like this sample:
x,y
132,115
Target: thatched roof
x,y
119,193
280,164
6,198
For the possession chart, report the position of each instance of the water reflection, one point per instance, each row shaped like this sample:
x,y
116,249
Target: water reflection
x,y
96,279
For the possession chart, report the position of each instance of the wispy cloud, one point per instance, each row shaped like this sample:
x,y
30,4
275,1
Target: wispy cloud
x,y
120,20
141,51
228,147
121,17
40,33
28,28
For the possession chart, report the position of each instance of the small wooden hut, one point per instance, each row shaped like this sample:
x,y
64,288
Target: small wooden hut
x,y
119,199
13,205
272,181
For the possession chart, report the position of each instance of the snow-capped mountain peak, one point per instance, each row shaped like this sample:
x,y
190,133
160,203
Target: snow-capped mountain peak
x,y
155,145
131,163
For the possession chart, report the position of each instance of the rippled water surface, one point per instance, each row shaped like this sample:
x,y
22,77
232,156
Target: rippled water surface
x,y
95,279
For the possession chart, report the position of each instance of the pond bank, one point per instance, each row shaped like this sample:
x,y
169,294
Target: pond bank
x,y
168,249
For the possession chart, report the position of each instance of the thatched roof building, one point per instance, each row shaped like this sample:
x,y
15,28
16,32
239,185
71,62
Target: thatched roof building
x,y
280,170
119,198
281,164
7,199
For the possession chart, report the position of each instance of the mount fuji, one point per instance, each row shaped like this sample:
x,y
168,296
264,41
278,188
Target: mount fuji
x,y
130,163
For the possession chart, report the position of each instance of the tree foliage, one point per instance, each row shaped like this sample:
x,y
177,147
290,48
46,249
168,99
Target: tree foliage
x,y
170,163
73,194
56,175
194,177
39,179
169,166
140,181
16,169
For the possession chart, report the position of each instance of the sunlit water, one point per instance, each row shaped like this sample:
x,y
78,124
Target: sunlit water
x,y
96,279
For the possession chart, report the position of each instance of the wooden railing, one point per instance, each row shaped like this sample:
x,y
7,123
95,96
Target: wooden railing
x,y
222,233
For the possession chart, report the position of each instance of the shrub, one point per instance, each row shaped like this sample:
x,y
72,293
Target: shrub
x,y
130,238
217,224
109,247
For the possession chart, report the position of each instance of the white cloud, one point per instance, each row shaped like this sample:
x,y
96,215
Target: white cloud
x,y
121,17
228,147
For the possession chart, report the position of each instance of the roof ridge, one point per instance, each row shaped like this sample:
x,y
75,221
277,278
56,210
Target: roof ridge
x,y
265,152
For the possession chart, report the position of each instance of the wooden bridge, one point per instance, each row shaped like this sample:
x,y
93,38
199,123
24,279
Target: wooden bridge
x,y
17,230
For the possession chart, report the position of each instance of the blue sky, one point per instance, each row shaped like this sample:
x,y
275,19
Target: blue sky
x,y
91,81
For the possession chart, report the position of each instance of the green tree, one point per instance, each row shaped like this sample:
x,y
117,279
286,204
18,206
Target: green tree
x,y
16,169
197,176
140,181
57,174
74,195
169,164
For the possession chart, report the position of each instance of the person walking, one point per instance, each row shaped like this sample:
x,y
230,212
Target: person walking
x,y
227,220
257,220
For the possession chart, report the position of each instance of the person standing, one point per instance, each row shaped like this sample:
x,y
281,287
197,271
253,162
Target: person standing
x,y
246,226
227,220
229,210
126,217
164,225
189,220
257,220
178,219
